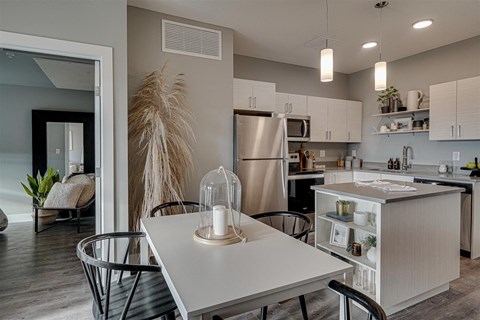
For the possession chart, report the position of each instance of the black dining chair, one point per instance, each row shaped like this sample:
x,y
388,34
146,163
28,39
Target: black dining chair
x,y
374,310
175,207
296,225
139,292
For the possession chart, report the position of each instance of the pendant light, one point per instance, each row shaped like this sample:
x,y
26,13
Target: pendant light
x,y
326,58
381,66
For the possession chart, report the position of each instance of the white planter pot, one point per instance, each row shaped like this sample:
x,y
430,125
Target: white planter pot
x,y
372,254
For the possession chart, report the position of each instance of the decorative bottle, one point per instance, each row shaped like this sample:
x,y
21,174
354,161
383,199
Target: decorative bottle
x,y
390,163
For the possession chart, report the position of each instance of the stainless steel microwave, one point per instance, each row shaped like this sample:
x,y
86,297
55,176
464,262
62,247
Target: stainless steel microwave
x,y
298,128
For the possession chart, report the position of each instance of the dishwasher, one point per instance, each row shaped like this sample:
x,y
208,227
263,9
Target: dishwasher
x,y
465,212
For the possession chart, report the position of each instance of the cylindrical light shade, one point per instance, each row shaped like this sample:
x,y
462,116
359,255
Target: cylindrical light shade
x,y
380,75
326,65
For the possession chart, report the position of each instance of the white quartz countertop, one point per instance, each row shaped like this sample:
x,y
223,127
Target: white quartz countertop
x,y
448,177
355,190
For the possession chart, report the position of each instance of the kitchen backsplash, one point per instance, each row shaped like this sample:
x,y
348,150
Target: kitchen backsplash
x,y
333,151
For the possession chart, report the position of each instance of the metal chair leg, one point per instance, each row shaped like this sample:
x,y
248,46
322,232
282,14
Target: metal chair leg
x,y
303,306
36,220
78,221
263,313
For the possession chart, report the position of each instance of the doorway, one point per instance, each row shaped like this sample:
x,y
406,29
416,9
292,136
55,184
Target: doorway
x,y
104,161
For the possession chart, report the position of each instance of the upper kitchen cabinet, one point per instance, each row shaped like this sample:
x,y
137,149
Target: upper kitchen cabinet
x,y
318,111
290,103
354,121
328,119
455,110
253,95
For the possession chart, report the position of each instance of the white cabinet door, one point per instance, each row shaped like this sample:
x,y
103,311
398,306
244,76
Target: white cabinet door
x,y
354,121
443,111
318,111
298,104
365,176
253,95
291,103
281,103
337,120
242,94
468,109
338,177
263,96
397,177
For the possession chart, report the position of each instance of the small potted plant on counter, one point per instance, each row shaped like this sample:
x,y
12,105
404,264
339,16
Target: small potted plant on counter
x,y
387,99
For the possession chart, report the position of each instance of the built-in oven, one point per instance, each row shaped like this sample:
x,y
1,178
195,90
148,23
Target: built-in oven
x,y
300,197
465,212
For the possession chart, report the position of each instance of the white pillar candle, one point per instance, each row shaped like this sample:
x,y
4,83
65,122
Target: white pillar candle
x,y
220,220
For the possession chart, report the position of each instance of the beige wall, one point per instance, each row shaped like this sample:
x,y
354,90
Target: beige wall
x,y
209,84
452,62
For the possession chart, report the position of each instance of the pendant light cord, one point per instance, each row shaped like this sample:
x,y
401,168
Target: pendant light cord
x,y
381,28
326,38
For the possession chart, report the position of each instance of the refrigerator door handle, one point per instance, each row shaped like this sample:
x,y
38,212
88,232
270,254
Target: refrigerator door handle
x,y
284,156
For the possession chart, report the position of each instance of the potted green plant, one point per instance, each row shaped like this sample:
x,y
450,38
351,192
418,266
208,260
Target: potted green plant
x,y
38,189
370,242
387,97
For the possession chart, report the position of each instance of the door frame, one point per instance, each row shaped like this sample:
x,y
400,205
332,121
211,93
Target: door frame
x,y
105,140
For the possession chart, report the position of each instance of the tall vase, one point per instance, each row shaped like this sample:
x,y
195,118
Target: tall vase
x,y
391,104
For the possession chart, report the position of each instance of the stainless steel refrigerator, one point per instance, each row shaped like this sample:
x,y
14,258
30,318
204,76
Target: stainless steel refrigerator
x,y
261,162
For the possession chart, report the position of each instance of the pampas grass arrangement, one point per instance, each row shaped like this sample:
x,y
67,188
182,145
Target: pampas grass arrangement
x,y
160,130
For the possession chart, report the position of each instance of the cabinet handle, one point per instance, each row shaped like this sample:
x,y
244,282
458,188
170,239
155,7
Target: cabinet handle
x,y
459,132
348,138
451,135
254,102
291,109
249,102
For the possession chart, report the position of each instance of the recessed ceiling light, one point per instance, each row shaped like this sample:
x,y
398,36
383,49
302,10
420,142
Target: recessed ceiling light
x,y
422,24
368,45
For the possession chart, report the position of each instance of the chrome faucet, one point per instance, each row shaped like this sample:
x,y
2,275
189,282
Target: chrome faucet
x,y
405,164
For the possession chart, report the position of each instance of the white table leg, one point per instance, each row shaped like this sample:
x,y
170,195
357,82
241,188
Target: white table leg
x,y
144,251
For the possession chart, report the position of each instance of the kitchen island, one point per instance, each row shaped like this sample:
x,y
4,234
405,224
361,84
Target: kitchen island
x,y
417,239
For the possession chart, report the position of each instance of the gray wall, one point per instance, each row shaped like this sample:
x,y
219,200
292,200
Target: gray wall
x,y
96,22
290,78
209,84
16,104
452,62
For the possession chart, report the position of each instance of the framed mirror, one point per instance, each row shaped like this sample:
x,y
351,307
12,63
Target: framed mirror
x,y
63,140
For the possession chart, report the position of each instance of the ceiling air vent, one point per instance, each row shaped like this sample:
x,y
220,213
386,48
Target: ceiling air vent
x,y
191,40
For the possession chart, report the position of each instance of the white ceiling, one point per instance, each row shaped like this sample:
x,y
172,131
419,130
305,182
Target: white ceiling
x,y
280,30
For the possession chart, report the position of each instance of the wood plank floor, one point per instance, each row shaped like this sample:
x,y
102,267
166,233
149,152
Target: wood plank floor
x,y
41,278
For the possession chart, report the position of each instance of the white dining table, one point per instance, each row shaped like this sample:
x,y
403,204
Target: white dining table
x,y
208,280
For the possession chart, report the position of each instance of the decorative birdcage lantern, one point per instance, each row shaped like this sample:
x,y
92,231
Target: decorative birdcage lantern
x,y
220,201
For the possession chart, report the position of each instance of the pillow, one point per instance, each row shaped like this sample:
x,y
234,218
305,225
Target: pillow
x,y
63,195
88,184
